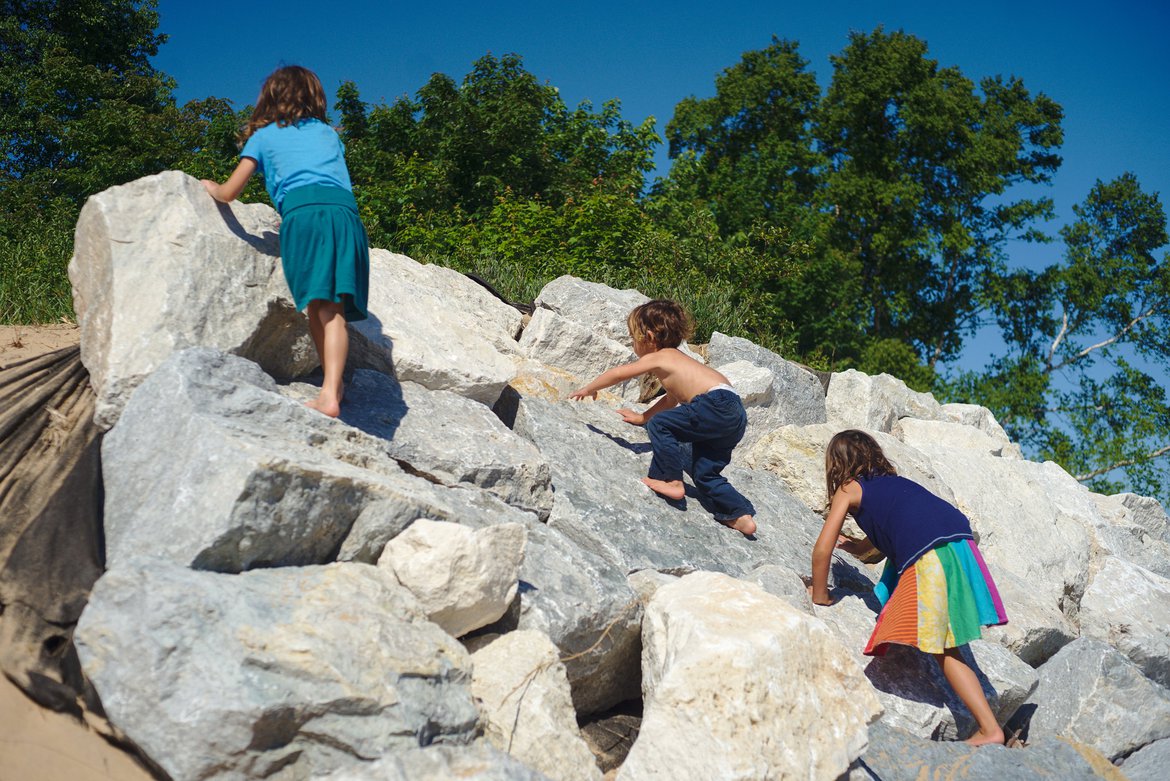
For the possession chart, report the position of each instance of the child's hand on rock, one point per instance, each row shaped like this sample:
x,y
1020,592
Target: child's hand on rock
x,y
629,416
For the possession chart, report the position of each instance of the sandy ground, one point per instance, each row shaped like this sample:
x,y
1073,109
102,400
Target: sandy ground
x,y
18,342
39,744
36,743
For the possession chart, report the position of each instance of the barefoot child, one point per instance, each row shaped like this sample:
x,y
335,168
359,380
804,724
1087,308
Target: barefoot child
x,y
943,591
699,407
323,245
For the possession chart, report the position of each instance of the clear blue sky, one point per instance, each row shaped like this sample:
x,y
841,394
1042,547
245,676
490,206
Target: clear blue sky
x,y
1108,65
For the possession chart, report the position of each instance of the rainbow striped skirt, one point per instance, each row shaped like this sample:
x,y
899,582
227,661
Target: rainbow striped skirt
x,y
940,601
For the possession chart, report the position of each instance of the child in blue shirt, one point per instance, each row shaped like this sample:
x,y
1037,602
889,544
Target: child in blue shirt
x,y
323,246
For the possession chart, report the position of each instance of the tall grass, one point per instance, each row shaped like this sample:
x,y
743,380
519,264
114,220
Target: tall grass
x,y
34,287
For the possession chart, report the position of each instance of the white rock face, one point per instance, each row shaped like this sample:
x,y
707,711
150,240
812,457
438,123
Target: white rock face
x,y
524,697
159,266
857,400
464,579
1129,608
738,685
578,349
443,330
598,307
753,383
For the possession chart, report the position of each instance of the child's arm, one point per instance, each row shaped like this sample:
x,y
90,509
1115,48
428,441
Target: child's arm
x,y
664,402
847,497
231,189
615,375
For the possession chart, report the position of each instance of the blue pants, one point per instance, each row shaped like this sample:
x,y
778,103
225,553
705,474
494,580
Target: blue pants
x,y
713,423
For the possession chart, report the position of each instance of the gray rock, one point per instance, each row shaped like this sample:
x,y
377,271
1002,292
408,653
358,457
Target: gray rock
x,y
598,307
444,331
585,606
796,396
212,468
783,582
911,687
875,403
297,670
597,463
1090,693
1134,528
478,762
895,755
445,438
144,251
1129,608
1148,763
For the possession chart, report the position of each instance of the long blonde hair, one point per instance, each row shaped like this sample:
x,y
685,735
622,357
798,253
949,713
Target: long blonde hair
x,y
289,94
851,454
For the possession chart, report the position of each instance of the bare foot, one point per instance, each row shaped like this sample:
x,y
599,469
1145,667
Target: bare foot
x,y
984,738
326,406
744,524
671,489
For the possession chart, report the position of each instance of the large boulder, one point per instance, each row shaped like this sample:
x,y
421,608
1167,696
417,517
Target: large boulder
x,y
239,676
478,762
444,437
441,329
1090,693
858,400
158,266
523,692
463,578
1129,608
913,692
738,685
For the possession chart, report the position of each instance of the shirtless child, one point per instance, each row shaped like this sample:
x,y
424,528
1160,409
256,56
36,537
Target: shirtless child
x,y
699,407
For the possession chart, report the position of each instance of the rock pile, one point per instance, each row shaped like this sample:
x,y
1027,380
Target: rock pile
x,y
450,578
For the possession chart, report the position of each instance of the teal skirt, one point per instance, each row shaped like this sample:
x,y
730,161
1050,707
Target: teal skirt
x,y
324,249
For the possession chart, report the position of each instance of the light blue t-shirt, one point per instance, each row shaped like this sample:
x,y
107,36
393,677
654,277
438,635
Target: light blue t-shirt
x,y
309,152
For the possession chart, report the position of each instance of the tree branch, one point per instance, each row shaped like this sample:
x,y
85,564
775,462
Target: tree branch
x,y
1128,462
1111,340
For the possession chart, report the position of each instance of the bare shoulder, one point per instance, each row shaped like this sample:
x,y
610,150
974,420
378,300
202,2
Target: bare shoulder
x,y
851,491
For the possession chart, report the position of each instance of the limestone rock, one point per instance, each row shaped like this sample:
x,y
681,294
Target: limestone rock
x,y
445,438
895,755
578,349
598,307
145,251
1134,528
1148,763
1090,693
738,685
239,676
1129,608
441,329
597,462
463,579
857,400
911,688
524,695
477,762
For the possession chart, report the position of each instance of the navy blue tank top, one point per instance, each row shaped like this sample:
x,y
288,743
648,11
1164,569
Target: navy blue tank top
x,y
904,520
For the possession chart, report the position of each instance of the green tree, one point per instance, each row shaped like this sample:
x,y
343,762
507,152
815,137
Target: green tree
x,y
746,153
1083,379
82,107
920,166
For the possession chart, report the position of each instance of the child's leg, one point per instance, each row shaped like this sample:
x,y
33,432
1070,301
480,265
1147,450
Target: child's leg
x,y
667,431
327,324
966,684
730,507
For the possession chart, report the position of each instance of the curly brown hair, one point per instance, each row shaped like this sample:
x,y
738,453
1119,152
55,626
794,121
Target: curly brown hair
x,y
289,94
661,322
851,454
